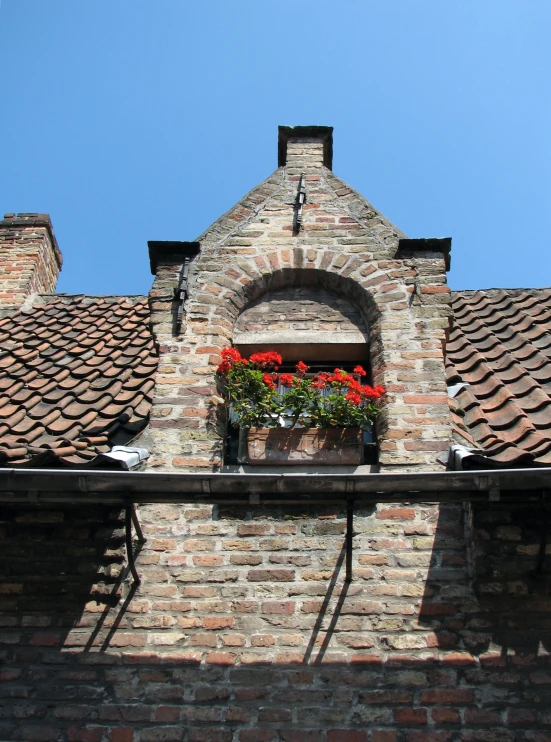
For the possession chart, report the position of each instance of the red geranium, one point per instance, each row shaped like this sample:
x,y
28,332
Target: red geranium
x,y
232,355
251,388
354,398
270,379
286,380
223,368
266,360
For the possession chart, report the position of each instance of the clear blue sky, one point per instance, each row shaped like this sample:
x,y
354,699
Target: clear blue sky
x,y
132,120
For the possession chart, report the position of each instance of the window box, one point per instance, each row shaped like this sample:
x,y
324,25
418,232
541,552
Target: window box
x,y
300,446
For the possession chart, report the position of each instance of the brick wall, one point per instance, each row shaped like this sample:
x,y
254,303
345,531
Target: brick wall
x,y
300,311
243,628
30,259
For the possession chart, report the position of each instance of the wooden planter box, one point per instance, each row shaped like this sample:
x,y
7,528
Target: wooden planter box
x,y
300,446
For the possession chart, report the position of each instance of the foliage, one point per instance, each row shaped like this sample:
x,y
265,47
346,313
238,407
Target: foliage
x,y
322,400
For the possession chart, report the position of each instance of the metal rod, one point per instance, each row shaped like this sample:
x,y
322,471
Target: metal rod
x,y
128,538
348,538
137,527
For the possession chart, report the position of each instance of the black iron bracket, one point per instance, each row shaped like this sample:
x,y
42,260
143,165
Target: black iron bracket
x,y
131,519
299,203
180,295
349,535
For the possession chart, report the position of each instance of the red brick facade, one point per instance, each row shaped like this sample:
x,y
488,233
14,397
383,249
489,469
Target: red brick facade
x,y
244,630
30,260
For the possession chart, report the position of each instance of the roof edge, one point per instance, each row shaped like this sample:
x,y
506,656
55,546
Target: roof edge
x,y
208,487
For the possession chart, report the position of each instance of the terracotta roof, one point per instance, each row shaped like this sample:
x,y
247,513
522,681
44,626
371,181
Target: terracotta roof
x,y
76,378
500,347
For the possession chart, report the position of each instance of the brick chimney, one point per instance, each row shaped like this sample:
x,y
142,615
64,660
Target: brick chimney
x,y
305,148
30,259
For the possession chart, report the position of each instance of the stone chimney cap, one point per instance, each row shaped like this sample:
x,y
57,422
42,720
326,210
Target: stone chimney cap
x,y
323,133
33,220
170,251
421,246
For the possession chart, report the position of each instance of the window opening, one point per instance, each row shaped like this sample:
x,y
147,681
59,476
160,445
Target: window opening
x,y
232,447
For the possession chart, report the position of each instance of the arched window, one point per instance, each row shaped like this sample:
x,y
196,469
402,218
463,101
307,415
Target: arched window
x,y
309,323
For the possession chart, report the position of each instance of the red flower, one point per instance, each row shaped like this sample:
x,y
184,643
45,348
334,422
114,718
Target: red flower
x,y
223,368
353,397
264,360
354,385
231,355
373,393
359,370
286,379
337,377
269,380
301,368
319,384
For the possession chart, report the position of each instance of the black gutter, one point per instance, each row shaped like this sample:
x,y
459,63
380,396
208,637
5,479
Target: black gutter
x,y
85,486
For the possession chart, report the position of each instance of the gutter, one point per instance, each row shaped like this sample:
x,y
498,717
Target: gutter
x,y
116,487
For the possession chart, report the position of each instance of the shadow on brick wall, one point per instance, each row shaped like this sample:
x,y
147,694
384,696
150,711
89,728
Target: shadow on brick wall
x,y
488,588
75,666
55,562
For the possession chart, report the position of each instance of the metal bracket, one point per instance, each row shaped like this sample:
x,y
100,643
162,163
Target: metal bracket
x,y
131,519
299,203
180,296
348,538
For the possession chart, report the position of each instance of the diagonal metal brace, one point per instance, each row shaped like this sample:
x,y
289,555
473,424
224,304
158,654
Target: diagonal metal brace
x,y
131,519
348,538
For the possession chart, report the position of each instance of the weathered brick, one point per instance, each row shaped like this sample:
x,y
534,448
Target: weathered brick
x,y
278,607
271,575
344,735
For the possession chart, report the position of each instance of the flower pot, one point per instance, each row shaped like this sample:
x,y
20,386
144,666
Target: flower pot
x,y
303,446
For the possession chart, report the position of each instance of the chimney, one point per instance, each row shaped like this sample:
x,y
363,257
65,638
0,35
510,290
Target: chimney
x,y
30,259
305,148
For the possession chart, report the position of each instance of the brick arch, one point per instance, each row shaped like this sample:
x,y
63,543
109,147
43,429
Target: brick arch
x,y
221,292
294,277
235,286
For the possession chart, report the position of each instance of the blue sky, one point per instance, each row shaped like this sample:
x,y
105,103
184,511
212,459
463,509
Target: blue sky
x,y
136,120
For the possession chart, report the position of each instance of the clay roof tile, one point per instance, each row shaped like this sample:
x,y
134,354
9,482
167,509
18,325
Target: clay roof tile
x,y
63,368
498,346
